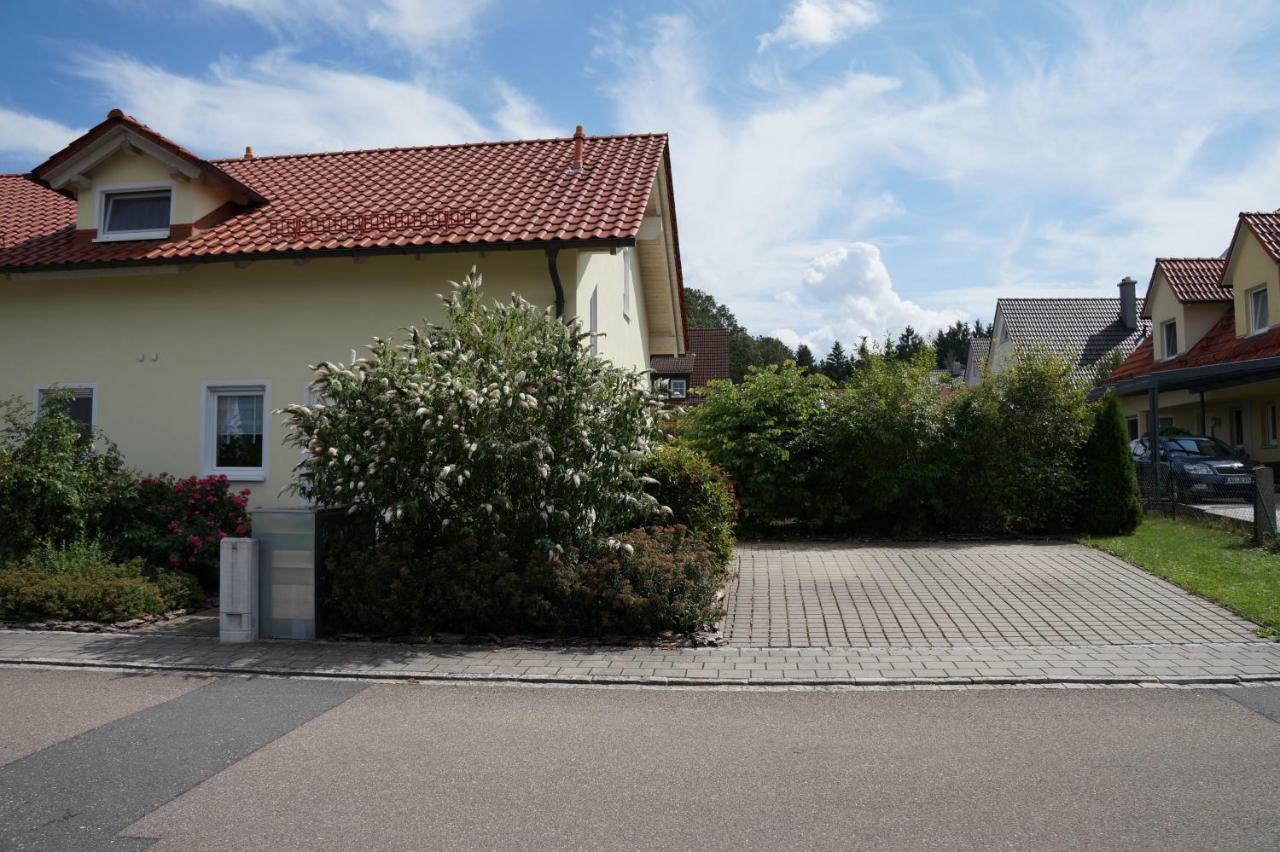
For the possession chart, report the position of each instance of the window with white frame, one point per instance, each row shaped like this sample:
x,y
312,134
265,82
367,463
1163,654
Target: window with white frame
x,y
679,388
1169,338
1259,319
626,284
1270,426
236,431
135,214
81,404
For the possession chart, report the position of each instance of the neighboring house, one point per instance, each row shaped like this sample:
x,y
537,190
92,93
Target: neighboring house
x,y
1085,330
1212,364
979,351
181,299
707,359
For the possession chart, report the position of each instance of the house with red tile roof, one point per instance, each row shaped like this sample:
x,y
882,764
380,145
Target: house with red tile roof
x,y
1212,363
182,298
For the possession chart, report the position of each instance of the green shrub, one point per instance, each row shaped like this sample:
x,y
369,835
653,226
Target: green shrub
x,y
177,523
883,449
55,486
499,426
663,578
104,593
758,432
699,495
78,556
1112,504
1015,448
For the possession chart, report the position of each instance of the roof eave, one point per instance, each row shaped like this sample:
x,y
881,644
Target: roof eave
x,y
318,254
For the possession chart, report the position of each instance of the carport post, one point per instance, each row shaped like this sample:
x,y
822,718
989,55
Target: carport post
x,y
1264,504
1154,401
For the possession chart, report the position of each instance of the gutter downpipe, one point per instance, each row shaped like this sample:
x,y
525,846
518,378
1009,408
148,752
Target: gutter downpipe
x,y
552,253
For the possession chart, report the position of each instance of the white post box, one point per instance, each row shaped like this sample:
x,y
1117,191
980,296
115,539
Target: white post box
x,y
238,590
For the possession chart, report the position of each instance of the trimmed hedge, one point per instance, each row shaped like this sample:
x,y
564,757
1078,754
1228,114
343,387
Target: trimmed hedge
x,y
107,593
643,582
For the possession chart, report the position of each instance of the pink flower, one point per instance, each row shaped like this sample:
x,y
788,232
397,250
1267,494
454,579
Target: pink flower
x,y
241,529
173,560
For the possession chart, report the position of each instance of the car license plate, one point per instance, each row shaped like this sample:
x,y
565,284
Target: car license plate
x,y
1238,480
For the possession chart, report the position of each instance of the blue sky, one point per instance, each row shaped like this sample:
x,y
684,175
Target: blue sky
x,y
842,167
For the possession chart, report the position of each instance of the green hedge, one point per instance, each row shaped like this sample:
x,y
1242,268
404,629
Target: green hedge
x,y
643,582
891,454
107,593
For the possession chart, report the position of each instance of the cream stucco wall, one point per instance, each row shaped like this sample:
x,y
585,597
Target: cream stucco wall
x,y
190,201
150,343
1249,268
1193,320
624,333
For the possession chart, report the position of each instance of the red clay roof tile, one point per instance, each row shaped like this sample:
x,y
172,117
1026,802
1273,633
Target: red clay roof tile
x,y
507,192
1220,345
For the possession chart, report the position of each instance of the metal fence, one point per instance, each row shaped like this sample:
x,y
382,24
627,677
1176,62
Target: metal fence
x,y
1238,491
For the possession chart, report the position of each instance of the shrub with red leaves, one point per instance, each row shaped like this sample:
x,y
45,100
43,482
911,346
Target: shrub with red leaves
x,y
171,522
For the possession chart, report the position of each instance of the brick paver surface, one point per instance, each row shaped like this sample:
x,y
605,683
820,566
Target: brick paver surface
x,y
927,595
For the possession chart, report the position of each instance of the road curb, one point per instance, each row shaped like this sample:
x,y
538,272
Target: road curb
x,y
624,680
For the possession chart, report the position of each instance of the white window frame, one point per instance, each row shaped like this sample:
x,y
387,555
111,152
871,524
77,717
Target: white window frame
x,y
91,387
626,284
1254,328
1164,339
209,418
682,393
1269,434
105,193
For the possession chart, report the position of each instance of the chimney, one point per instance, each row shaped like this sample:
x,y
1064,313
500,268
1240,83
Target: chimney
x,y
248,152
579,140
1129,303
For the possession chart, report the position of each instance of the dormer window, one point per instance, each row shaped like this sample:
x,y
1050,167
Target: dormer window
x,y
135,215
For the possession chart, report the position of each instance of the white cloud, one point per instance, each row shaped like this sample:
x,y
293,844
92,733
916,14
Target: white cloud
x,y
821,23
26,135
414,26
279,104
847,294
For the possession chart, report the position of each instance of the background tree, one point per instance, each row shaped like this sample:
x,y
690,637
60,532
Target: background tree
x,y
952,344
804,358
770,351
909,344
836,366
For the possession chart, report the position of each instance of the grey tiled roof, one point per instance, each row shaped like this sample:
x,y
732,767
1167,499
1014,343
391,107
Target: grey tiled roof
x,y
979,349
1087,328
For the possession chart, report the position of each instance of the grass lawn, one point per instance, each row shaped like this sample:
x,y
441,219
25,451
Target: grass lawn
x,y
1222,566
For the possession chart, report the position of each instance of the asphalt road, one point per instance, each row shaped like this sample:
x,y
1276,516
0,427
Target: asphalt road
x,y
100,760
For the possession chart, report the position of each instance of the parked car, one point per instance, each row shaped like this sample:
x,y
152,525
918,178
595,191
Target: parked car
x,y
1193,467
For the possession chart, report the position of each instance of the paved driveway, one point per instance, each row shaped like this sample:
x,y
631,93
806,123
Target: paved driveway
x,y
876,596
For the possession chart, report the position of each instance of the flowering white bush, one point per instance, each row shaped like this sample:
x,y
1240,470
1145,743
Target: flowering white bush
x,y
499,425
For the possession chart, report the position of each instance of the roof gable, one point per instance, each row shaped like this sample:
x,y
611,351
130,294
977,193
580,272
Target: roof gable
x,y
1190,279
120,132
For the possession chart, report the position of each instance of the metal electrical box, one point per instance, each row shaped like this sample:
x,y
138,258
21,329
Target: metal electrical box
x,y
287,572
238,590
